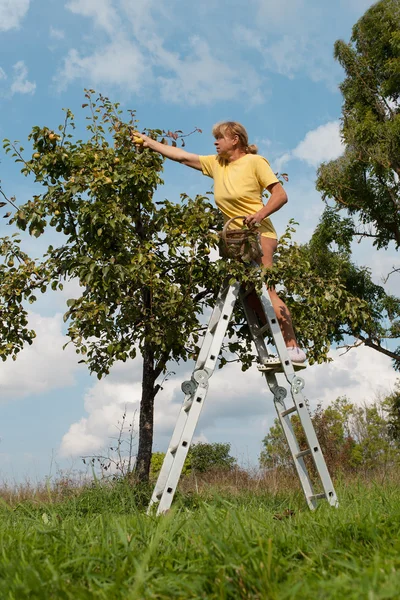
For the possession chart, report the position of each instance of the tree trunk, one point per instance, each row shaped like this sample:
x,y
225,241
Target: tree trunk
x,y
146,418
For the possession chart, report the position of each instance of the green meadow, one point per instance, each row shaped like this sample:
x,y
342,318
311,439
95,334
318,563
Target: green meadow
x,y
238,539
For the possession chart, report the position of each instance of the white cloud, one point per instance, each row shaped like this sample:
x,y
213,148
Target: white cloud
x,y
105,404
319,145
2,74
42,367
281,15
101,11
292,40
56,34
201,78
362,374
12,12
119,63
194,75
20,84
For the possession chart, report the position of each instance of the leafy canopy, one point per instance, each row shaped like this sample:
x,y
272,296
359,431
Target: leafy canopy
x,y
364,182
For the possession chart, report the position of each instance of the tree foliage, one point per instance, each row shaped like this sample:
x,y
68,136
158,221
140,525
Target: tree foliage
x,y
202,457
365,180
329,253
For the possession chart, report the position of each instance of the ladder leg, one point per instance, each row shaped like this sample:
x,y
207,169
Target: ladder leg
x,y
296,385
195,391
284,415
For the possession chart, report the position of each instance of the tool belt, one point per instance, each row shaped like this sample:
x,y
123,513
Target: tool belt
x,y
240,244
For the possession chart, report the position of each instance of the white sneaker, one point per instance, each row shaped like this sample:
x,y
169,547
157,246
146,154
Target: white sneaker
x,y
296,355
273,363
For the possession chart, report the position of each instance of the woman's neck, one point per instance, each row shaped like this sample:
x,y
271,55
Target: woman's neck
x,y
236,154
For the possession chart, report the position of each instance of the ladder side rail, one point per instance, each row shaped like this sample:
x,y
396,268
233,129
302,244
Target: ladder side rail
x,y
210,360
192,405
169,457
224,297
254,328
279,394
315,448
277,336
297,384
180,452
286,423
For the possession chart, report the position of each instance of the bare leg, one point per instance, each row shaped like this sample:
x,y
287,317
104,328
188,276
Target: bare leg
x,y
269,246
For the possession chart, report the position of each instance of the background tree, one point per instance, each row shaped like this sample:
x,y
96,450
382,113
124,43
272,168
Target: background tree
x,y
393,408
202,457
329,254
364,182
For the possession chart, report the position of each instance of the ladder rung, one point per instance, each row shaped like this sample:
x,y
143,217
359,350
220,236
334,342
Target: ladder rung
x,y
303,453
213,327
261,330
318,496
187,405
284,413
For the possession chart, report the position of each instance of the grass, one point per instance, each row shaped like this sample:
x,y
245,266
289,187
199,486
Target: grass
x,y
218,542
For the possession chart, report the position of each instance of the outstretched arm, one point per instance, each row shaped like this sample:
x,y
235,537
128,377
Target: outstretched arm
x,y
177,154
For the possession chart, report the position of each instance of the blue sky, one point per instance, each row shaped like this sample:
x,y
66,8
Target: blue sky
x,y
181,65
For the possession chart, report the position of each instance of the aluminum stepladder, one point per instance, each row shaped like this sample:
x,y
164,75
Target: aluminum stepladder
x,y
196,389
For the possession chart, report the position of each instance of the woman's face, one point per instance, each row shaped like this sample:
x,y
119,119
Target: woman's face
x,y
224,144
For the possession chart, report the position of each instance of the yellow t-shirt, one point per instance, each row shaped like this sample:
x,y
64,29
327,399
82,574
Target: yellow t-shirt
x,y
238,187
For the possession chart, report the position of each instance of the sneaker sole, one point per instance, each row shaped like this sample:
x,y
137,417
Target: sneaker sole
x,y
278,368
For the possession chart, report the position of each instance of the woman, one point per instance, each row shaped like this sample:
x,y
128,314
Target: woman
x,y
240,175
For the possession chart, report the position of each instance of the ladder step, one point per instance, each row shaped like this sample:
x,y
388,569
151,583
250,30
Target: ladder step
x,y
278,368
261,330
213,327
284,413
303,453
318,496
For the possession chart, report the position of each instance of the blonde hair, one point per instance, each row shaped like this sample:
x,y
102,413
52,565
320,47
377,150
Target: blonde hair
x,y
235,128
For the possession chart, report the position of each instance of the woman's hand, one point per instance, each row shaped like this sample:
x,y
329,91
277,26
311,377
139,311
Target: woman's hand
x,y
254,220
140,139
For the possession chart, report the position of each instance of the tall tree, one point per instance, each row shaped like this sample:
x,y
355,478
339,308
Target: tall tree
x,y
142,265
364,182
